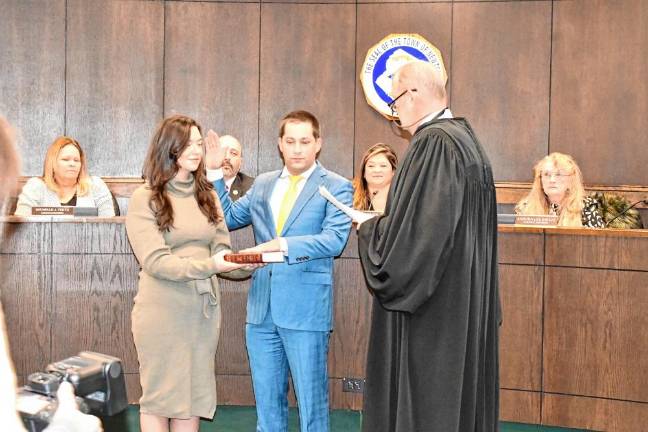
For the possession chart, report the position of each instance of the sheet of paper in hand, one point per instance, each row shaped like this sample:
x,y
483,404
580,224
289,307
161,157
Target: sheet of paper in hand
x,y
357,215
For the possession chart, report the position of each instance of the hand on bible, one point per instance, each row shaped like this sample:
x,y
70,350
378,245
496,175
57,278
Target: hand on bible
x,y
271,246
225,266
214,153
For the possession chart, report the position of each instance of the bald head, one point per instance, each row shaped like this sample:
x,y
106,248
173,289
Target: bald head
x,y
233,156
423,76
418,89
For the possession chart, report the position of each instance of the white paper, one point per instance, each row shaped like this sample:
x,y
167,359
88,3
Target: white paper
x,y
356,215
272,257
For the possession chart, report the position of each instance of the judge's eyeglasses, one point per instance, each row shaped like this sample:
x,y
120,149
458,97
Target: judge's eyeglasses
x,y
392,104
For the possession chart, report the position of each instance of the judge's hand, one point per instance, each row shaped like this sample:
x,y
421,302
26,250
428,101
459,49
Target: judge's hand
x,y
68,417
214,153
271,246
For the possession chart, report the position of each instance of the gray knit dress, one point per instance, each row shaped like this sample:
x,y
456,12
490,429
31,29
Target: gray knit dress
x,y
177,314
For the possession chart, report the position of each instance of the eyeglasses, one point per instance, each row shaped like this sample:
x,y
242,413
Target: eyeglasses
x,y
558,175
392,104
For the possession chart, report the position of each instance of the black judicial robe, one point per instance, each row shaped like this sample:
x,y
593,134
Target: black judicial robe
x,y
431,264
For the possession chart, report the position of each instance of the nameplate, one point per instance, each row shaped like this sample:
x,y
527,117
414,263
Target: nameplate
x,y
543,220
53,211
65,211
506,218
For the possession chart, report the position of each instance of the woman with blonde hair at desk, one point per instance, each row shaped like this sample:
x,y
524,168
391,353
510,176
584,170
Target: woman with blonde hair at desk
x,y
67,417
558,190
65,182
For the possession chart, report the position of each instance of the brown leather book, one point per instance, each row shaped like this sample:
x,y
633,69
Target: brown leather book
x,y
255,258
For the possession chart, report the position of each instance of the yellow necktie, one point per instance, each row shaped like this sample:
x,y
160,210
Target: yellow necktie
x,y
287,202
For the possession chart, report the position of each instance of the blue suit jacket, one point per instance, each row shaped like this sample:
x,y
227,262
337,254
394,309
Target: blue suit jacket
x,y
299,290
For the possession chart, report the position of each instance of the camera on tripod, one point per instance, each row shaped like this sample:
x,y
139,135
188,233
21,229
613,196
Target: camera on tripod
x,y
98,381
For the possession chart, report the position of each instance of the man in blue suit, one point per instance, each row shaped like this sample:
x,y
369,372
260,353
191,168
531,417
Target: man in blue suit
x,y
290,304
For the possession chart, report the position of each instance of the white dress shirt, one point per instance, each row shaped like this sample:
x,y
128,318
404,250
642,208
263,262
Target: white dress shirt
x,y
445,115
228,182
280,188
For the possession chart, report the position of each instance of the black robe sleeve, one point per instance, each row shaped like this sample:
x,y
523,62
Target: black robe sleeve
x,y
402,266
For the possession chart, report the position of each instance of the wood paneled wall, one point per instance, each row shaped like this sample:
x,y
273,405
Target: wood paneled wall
x,y
573,348
69,287
532,76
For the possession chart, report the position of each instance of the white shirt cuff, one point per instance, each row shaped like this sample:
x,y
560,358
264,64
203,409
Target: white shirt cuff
x,y
214,174
283,245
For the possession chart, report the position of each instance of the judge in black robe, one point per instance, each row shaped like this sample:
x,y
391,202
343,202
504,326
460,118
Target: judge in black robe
x,y
431,264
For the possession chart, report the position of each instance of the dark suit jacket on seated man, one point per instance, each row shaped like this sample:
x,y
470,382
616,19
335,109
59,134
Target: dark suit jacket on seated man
x,y
240,185
290,304
236,182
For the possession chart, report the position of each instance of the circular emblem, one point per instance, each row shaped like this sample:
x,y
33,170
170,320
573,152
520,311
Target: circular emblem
x,y
235,192
385,58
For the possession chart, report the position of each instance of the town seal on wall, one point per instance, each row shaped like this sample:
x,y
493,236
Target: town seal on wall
x,y
384,58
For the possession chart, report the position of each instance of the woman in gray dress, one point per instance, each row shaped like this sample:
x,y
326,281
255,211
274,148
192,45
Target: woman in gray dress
x,y
176,229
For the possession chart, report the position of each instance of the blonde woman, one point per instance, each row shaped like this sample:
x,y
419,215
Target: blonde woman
x,y
65,182
558,190
372,185
67,418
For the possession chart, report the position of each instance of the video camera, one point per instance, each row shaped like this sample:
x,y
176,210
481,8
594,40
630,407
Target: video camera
x,y
98,381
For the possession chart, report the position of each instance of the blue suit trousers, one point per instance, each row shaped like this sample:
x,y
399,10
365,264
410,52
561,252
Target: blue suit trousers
x,y
273,352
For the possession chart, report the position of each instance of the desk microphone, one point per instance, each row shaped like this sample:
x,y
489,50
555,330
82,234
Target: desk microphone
x,y
627,209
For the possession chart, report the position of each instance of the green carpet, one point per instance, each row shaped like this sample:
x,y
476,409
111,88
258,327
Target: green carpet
x,y
243,419
233,419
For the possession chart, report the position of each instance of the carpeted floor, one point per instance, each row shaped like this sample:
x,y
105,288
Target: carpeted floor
x,y
243,419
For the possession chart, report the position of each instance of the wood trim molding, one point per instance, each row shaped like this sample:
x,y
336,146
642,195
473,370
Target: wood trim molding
x,y
123,186
119,186
507,192
513,192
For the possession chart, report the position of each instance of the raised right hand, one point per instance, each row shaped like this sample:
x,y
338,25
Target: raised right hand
x,y
214,153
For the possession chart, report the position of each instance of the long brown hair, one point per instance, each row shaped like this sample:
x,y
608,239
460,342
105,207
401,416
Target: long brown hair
x,y
361,199
161,165
571,207
83,180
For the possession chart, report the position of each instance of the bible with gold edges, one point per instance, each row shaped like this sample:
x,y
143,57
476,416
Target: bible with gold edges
x,y
255,258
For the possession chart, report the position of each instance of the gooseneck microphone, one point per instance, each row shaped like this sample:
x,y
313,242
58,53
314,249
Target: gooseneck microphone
x,y
627,209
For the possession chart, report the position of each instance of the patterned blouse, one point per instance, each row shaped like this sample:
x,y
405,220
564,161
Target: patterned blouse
x,y
590,216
